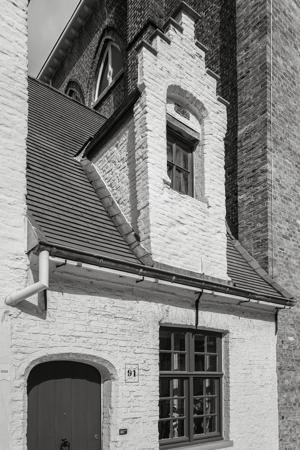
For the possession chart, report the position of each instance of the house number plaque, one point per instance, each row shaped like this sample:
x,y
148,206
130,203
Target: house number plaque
x,y
131,373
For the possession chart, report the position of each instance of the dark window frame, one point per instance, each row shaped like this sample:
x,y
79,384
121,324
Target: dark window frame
x,y
208,379
184,141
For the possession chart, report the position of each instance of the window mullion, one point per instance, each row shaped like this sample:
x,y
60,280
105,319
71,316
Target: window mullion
x,y
174,165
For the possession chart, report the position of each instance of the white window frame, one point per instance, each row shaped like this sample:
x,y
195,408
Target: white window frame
x,y
108,44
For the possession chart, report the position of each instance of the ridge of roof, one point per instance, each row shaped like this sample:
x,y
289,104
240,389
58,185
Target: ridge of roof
x,y
253,263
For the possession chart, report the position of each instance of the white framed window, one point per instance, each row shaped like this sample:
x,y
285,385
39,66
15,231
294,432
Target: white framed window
x,y
111,65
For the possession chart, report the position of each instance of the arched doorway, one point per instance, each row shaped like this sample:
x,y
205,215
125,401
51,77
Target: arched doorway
x,y
63,407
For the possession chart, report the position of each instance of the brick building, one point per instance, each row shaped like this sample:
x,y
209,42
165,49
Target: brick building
x,y
149,295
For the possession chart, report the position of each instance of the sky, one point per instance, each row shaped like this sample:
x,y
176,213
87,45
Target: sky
x,y
47,19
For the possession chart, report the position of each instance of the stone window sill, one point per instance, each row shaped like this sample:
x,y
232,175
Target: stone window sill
x,y
217,445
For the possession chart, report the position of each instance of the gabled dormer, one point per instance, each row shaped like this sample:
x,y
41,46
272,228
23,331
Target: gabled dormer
x,y
163,160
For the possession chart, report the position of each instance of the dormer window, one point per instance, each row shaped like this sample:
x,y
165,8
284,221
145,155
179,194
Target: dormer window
x,y
111,66
74,91
181,143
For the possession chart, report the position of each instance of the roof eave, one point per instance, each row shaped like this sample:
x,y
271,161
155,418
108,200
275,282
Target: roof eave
x,y
164,275
58,53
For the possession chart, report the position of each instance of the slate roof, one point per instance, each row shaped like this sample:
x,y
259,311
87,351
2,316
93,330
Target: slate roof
x,y
63,203
60,199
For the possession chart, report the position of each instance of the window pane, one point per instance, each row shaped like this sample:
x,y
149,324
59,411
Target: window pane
x,y
211,424
198,406
210,405
164,409
212,344
198,386
211,363
164,429
177,184
164,387
179,341
178,427
210,386
199,363
165,361
185,183
179,361
199,343
169,152
198,425
178,387
104,76
116,60
165,340
179,156
178,407
185,160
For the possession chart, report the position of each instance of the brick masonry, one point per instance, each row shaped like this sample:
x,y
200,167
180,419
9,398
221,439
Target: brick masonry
x,y
189,232
285,208
13,130
110,325
269,171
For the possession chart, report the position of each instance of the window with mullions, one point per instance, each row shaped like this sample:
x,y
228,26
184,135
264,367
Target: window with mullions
x,y
190,386
180,163
110,66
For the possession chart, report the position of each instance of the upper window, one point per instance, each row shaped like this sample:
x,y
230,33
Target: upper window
x,y
110,66
190,386
180,163
74,91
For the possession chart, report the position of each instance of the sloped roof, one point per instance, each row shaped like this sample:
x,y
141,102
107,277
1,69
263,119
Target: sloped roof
x,y
64,205
60,199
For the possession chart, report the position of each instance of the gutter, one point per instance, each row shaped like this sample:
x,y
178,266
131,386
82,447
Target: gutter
x,y
162,276
16,297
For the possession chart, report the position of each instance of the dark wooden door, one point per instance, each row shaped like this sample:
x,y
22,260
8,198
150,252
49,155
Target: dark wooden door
x,y
63,403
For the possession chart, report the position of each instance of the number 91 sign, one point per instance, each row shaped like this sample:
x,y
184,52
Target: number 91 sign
x,y
131,373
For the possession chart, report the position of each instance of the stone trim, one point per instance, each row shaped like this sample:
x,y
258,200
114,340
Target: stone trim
x,y
159,33
145,44
184,7
201,46
213,74
115,213
206,446
223,100
173,23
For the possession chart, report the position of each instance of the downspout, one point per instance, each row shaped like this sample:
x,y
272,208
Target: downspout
x,y
15,298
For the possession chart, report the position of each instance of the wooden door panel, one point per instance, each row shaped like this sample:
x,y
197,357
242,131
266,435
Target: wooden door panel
x,y
63,403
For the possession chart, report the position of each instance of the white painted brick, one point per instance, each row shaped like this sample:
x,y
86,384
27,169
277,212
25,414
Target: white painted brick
x,y
178,230
114,326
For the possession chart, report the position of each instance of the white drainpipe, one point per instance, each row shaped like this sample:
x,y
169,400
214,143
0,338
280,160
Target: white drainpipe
x,y
39,286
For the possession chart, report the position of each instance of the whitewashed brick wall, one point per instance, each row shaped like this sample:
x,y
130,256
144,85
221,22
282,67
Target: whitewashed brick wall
x,y
13,132
178,230
120,326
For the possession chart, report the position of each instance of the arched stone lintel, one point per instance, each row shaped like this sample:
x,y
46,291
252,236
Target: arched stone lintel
x,y
105,368
187,99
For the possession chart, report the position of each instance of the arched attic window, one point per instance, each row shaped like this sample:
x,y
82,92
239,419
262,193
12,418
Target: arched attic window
x,y
74,91
110,66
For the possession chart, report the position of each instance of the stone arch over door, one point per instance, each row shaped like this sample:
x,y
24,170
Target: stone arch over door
x,y
109,392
